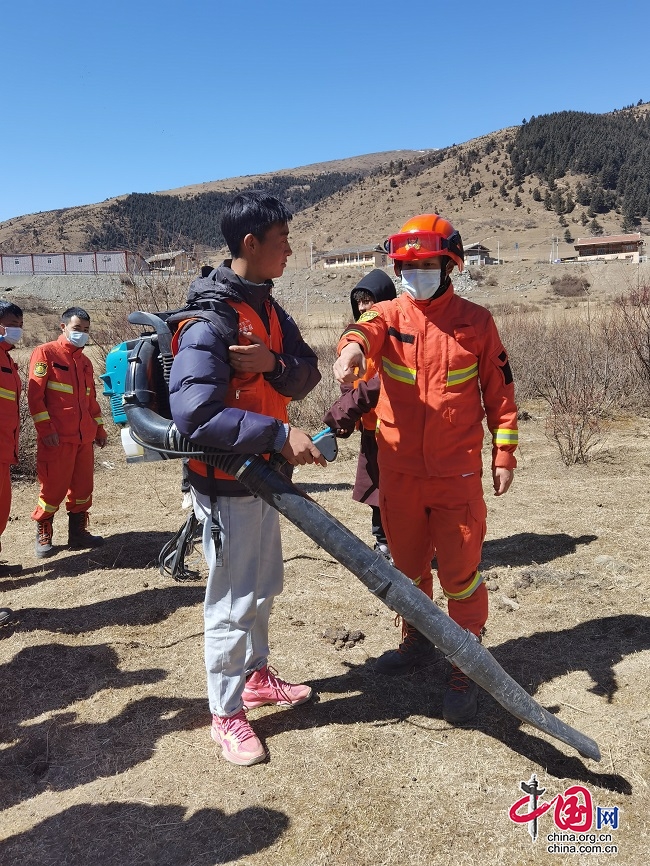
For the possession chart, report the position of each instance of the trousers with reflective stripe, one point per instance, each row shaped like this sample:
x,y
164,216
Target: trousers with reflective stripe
x,y
65,471
445,518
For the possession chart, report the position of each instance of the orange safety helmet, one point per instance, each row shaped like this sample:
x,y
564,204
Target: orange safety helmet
x,y
425,236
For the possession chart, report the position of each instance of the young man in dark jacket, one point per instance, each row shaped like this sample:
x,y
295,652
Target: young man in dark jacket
x,y
240,360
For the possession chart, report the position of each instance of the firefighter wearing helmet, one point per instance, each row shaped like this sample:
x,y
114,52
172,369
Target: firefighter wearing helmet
x,y
443,368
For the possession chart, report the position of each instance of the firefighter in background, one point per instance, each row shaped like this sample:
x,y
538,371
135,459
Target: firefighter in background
x,y
442,369
11,331
63,404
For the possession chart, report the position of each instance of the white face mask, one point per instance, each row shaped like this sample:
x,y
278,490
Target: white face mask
x,y
13,335
77,338
421,284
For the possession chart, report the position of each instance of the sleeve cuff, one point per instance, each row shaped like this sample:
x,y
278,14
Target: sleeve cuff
x,y
281,438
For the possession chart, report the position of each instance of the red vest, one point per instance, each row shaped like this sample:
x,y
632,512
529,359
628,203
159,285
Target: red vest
x,y
247,391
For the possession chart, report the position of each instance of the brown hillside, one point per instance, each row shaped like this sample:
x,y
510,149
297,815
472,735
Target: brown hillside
x,y
377,205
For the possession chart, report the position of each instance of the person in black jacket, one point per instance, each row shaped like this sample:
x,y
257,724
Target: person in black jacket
x,y
355,407
240,359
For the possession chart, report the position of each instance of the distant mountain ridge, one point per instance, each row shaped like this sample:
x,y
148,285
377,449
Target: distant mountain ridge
x,y
552,179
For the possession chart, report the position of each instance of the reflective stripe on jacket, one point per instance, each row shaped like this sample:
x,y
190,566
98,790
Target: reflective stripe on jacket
x,y
10,388
61,392
368,420
441,362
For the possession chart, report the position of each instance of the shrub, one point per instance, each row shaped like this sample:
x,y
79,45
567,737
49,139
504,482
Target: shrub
x,y
569,286
26,468
152,293
323,337
633,312
578,366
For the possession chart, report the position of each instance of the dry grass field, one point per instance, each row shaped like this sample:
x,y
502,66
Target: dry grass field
x,y
105,753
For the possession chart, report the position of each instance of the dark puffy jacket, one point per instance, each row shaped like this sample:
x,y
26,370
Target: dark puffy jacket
x,y
201,372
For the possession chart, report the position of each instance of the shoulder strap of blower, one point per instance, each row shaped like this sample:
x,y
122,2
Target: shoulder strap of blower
x,y
219,314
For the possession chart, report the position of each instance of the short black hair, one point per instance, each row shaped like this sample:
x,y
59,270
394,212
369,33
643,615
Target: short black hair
x,y
251,213
9,309
79,312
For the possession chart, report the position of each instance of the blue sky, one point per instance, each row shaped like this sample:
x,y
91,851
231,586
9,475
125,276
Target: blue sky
x,y
104,99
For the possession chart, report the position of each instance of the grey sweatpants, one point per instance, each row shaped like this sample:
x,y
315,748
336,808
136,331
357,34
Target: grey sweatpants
x,y
243,550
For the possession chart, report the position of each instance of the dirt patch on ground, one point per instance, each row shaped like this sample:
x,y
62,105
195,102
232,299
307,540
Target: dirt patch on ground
x,y
106,755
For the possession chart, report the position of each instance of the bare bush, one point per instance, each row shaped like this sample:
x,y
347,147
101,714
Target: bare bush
x,y
152,293
41,322
323,337
580,368
523,333
633,312
26,468
570,286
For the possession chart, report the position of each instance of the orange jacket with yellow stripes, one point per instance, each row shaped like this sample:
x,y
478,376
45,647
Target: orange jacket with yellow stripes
x,y
10,387
61,392
440,363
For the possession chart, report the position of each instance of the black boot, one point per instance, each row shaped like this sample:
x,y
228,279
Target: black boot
x,y
460,701
44,532
415,651
78,536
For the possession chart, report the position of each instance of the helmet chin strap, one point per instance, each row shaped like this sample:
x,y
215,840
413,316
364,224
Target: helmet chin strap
x,y
445,278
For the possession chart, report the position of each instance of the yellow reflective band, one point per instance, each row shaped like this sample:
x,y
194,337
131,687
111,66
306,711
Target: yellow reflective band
x,y
396,371
49,508
6,394
60,386
457,377
41,416
476,581
354,333
100,422
87,392
82,501
506,437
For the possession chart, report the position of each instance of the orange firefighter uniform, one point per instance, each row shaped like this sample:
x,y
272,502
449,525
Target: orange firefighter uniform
x,y
62,400
442,368
10,387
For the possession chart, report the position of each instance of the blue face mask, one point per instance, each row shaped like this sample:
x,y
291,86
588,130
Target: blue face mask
x,y
12,335
421,284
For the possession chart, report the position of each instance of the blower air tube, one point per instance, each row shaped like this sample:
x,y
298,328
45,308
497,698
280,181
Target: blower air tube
x,y
387,583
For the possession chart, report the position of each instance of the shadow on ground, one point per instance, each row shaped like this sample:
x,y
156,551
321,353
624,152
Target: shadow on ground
x,y
142,608
123,550
125,833
60,753
595,647
526,548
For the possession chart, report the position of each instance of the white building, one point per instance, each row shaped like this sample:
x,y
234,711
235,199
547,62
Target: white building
x,y
349,257
176,262
109,262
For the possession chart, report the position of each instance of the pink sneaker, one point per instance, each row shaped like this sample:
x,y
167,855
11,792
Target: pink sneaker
x,y
238,741
265,687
